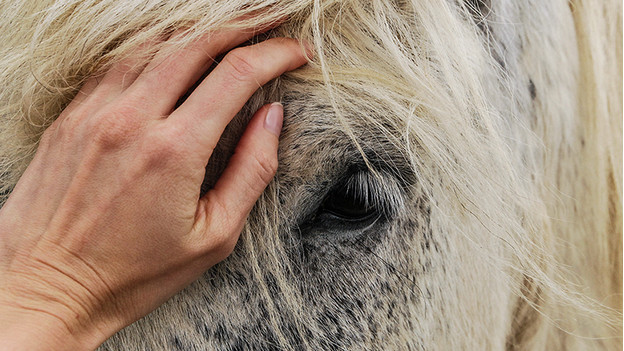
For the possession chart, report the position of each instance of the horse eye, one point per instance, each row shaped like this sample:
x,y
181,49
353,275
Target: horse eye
x,y
347,206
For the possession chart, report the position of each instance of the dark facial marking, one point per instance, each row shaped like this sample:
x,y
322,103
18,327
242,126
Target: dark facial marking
x,y
532,89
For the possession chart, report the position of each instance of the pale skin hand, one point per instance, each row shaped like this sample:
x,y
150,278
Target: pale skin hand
x,y
107,223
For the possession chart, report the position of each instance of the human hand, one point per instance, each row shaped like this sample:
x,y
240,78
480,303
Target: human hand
x,y
107,223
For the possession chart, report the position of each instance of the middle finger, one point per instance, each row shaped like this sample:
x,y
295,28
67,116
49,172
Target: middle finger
x,y
213,104
169,75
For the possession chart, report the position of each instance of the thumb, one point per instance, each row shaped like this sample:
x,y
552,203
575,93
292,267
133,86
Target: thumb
x,y
248,172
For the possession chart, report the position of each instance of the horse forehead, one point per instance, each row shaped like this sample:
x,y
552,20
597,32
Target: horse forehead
x,y
312,137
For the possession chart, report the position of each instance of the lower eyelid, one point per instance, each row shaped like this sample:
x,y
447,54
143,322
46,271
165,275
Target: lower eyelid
x,y
360,219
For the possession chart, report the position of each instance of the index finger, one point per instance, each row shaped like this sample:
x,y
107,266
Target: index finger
x,y
227,88
169,75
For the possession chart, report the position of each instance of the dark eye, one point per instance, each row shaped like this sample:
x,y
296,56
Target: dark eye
x,y
348,206
352,200
360,200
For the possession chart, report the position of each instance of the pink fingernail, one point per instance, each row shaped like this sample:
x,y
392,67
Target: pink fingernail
x,y
274,118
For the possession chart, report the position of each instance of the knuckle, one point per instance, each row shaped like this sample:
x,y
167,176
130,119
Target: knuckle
x,y
49,134
165,141
225,228
240,64
118,127
266,166
66,127
223,244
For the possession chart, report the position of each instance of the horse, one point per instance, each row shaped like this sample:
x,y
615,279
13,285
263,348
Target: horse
x,y
450,172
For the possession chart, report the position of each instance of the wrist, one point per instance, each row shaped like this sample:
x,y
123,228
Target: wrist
x,y
22,329
44,325
44,307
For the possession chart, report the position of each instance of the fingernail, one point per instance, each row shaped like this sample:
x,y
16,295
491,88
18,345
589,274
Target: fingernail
x,y
274,118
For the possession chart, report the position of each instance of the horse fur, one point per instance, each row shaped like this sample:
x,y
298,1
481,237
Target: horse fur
x,y
487,133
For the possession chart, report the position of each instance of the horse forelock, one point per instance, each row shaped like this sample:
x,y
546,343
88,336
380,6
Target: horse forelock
x,y
466,123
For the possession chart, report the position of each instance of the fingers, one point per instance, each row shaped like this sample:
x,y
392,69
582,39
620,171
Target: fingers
x,y
125,71
118,78
249,170
224,92
169,75
85,91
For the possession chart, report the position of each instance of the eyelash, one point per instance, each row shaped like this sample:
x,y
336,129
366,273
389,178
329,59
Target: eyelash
x,y
360,197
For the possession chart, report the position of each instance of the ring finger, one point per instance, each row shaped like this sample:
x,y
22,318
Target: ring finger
x,y
171,73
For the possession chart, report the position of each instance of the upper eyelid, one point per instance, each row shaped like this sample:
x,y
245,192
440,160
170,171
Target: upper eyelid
x,y
384,194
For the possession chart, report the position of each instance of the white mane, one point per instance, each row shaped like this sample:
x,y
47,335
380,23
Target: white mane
x,y
513,128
